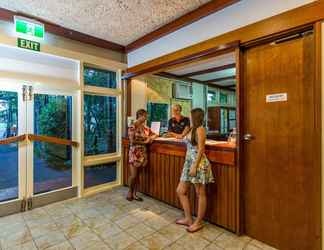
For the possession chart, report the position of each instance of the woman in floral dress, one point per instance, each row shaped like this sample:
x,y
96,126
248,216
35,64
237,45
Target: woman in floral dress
x,y
139,136
196,171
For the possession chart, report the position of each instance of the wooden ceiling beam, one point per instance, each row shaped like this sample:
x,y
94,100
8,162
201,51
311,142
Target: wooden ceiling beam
x,y
193,16
210,70
7,15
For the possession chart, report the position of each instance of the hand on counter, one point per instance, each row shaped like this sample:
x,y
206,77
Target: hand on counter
x,y
148,140
179,137
171,139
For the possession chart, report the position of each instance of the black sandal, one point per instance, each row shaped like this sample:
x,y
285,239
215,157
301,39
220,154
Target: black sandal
x,y
138,198
129,198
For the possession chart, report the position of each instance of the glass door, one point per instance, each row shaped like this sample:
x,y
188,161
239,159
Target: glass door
x,y
12,147
36,147
50,153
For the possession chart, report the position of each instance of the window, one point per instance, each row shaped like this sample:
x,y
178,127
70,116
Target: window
x,y
232,119
211,98
222,98
224,121
101,127
100,124
100,174
158,112
100,77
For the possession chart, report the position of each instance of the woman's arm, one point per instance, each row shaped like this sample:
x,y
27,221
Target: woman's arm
x,y
184,133
153,135
133,141
201,134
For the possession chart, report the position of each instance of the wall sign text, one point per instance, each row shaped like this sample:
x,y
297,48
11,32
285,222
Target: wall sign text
x,y
280,97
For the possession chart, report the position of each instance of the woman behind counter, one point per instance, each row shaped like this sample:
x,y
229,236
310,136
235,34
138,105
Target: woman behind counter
x,y
139,136
196,171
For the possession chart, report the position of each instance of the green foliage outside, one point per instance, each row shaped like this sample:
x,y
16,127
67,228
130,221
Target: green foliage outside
x,y
158,112
100,78
99,124
52,118
8,113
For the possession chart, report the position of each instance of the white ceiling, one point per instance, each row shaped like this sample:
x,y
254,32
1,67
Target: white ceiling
x,y
218,61
119,21
216,75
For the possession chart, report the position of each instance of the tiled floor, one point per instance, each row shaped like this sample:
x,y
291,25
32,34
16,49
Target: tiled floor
x,y
108,221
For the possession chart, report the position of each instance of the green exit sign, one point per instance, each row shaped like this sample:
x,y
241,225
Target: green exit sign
x,y
29,28
27,44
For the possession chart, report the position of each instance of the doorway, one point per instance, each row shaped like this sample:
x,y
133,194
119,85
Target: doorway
x,y
36,147
281,182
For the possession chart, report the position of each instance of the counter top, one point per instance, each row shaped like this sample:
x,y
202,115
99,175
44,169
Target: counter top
x,y
210,144
216,151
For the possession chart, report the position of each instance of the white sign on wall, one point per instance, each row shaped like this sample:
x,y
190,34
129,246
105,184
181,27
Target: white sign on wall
x,y
280,97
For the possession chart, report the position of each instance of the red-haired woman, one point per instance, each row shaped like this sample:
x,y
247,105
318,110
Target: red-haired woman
x,y
139,137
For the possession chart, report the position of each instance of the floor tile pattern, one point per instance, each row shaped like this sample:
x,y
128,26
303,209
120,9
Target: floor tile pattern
x,y
108,221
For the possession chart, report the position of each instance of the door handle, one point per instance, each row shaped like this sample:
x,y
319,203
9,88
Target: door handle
x,y
12,139
50,139
248,137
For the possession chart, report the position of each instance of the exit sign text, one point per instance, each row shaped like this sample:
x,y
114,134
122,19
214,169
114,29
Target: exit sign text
x,y
27,44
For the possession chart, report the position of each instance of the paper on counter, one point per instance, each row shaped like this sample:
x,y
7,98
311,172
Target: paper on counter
x,y
155,127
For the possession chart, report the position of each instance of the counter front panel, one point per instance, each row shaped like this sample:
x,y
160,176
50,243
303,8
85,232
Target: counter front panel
x,y
159,179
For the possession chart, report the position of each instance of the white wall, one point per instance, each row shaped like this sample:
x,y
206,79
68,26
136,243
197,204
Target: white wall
x,y
138,95
236,16
29,63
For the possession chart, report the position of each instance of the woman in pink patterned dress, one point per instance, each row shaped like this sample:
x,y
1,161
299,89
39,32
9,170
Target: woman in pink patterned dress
x,y
139,137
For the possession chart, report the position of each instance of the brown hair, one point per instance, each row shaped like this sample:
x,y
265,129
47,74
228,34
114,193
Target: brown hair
x,y
140,113
197,116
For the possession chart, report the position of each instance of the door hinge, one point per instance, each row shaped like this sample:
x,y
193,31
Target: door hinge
x,y
30,93
23,205
24,93
27,93
30,203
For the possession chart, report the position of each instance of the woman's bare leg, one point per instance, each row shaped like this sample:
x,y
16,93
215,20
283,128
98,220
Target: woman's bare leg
x,y
202,206
139,169
182,191
132,181
136,181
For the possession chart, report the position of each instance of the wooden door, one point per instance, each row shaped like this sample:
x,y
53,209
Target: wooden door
x,y
281,176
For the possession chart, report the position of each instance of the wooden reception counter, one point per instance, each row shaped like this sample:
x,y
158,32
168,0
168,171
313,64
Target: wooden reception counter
x,y
160,178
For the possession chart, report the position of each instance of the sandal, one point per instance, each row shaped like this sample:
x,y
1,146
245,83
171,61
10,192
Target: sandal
x,y
129,198
138,198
